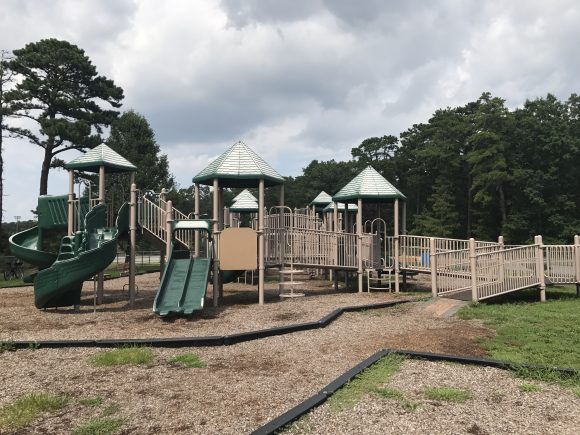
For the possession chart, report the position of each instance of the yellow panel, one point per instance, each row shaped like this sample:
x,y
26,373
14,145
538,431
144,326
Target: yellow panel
x,y
238,249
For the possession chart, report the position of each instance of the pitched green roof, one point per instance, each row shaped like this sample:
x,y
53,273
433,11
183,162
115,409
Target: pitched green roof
x,y
99,156
244,205
239,166
322,198
341,207
369,184
245,194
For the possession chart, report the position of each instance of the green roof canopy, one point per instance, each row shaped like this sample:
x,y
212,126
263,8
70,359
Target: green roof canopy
x,y
368,185
99,156
239,166
322,198
341,207
244,205
245,194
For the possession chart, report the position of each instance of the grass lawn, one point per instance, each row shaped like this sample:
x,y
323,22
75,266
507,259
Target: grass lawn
x,y
531,332
123,356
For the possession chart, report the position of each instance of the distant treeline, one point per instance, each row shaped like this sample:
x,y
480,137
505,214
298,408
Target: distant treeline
x,y
477,170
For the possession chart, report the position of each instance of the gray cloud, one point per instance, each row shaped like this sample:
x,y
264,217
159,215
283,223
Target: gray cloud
x,y
304,79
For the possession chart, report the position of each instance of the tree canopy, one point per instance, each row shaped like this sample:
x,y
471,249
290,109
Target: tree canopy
x,y
62,96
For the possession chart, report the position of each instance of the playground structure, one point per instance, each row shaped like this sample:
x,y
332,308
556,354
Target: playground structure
x,y
327,235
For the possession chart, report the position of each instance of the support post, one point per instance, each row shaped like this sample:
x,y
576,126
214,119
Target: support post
x,y
396,240
132,240
196,216
281,195
261,269
472,268
335,229
101,277
433,265
577,263
346,230
359,243
221,227
168,221
501,265
71,197
540,267
216,268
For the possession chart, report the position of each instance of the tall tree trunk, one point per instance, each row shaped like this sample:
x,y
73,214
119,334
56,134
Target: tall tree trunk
x,y
502,207
44,171
469,207
1,166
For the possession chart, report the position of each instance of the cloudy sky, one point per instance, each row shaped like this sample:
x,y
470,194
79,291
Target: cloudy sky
x,y
296,80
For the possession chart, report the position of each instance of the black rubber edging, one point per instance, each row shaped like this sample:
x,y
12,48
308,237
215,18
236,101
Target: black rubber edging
x,y
214,340
317,399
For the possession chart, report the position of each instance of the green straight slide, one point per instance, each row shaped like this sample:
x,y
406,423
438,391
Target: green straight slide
x,y
183,286
80,257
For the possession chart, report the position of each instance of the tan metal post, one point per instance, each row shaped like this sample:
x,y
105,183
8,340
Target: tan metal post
x,y
132,240
577,262
221,208
433,264
261,242
472,269
359,243
501,265
216,269
101,276
196,216
281,195
540,267
168,221
163,194
71,197
221,228
346,230
396,240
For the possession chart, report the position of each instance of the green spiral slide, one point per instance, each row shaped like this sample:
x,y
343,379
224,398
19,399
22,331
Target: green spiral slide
x,y
80,256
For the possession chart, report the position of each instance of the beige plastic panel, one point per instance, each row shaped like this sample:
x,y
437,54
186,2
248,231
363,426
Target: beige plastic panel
x,y
238,249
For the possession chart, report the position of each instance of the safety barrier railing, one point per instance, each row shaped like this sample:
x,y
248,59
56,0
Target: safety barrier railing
x,y
312,247
79,214
560,263
315,247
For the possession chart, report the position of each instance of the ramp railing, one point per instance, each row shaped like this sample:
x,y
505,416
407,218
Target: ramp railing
x,y
415,251
560,263
507,271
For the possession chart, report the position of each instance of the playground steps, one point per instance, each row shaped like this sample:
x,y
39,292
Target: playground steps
x,y
382,283
286,288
